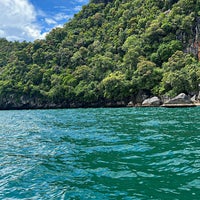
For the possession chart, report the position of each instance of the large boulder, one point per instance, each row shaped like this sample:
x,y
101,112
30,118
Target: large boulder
x,y
180,99
151,102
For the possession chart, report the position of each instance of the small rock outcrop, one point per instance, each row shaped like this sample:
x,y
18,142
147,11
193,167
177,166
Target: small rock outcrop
x,y
151,102
130,104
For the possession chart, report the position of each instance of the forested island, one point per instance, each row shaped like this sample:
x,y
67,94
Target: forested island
x,y
110,53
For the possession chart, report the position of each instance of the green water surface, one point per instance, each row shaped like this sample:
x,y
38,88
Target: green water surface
x,y
121,153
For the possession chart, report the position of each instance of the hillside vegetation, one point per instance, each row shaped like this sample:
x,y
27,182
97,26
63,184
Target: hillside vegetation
x,y
112,51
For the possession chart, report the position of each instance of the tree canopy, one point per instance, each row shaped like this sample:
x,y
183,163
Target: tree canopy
x,y
110,51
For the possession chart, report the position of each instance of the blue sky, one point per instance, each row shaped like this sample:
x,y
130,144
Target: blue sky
x,y
33,19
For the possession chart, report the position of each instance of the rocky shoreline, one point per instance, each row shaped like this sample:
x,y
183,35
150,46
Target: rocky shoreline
x,y
181,100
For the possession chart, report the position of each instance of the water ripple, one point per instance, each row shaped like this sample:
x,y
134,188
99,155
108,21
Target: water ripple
x,y
131,153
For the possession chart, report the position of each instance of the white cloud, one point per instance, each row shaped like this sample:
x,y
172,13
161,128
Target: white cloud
x,y
50,21
57,20
18,20
78,8
62,16
2,33
79,4
82,1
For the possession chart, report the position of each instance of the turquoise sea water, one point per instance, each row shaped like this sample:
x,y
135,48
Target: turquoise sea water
x,y
121,153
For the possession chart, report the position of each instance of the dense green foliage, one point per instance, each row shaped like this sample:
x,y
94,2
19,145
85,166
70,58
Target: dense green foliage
x,y
112,50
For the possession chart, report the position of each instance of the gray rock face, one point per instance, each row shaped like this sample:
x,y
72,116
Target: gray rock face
x,y
180,99
194,99
154,101
198,97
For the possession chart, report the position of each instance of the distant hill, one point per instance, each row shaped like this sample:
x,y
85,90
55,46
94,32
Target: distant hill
x,y
110,53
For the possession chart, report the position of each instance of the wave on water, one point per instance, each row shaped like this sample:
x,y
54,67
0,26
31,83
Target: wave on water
x,y
121,153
